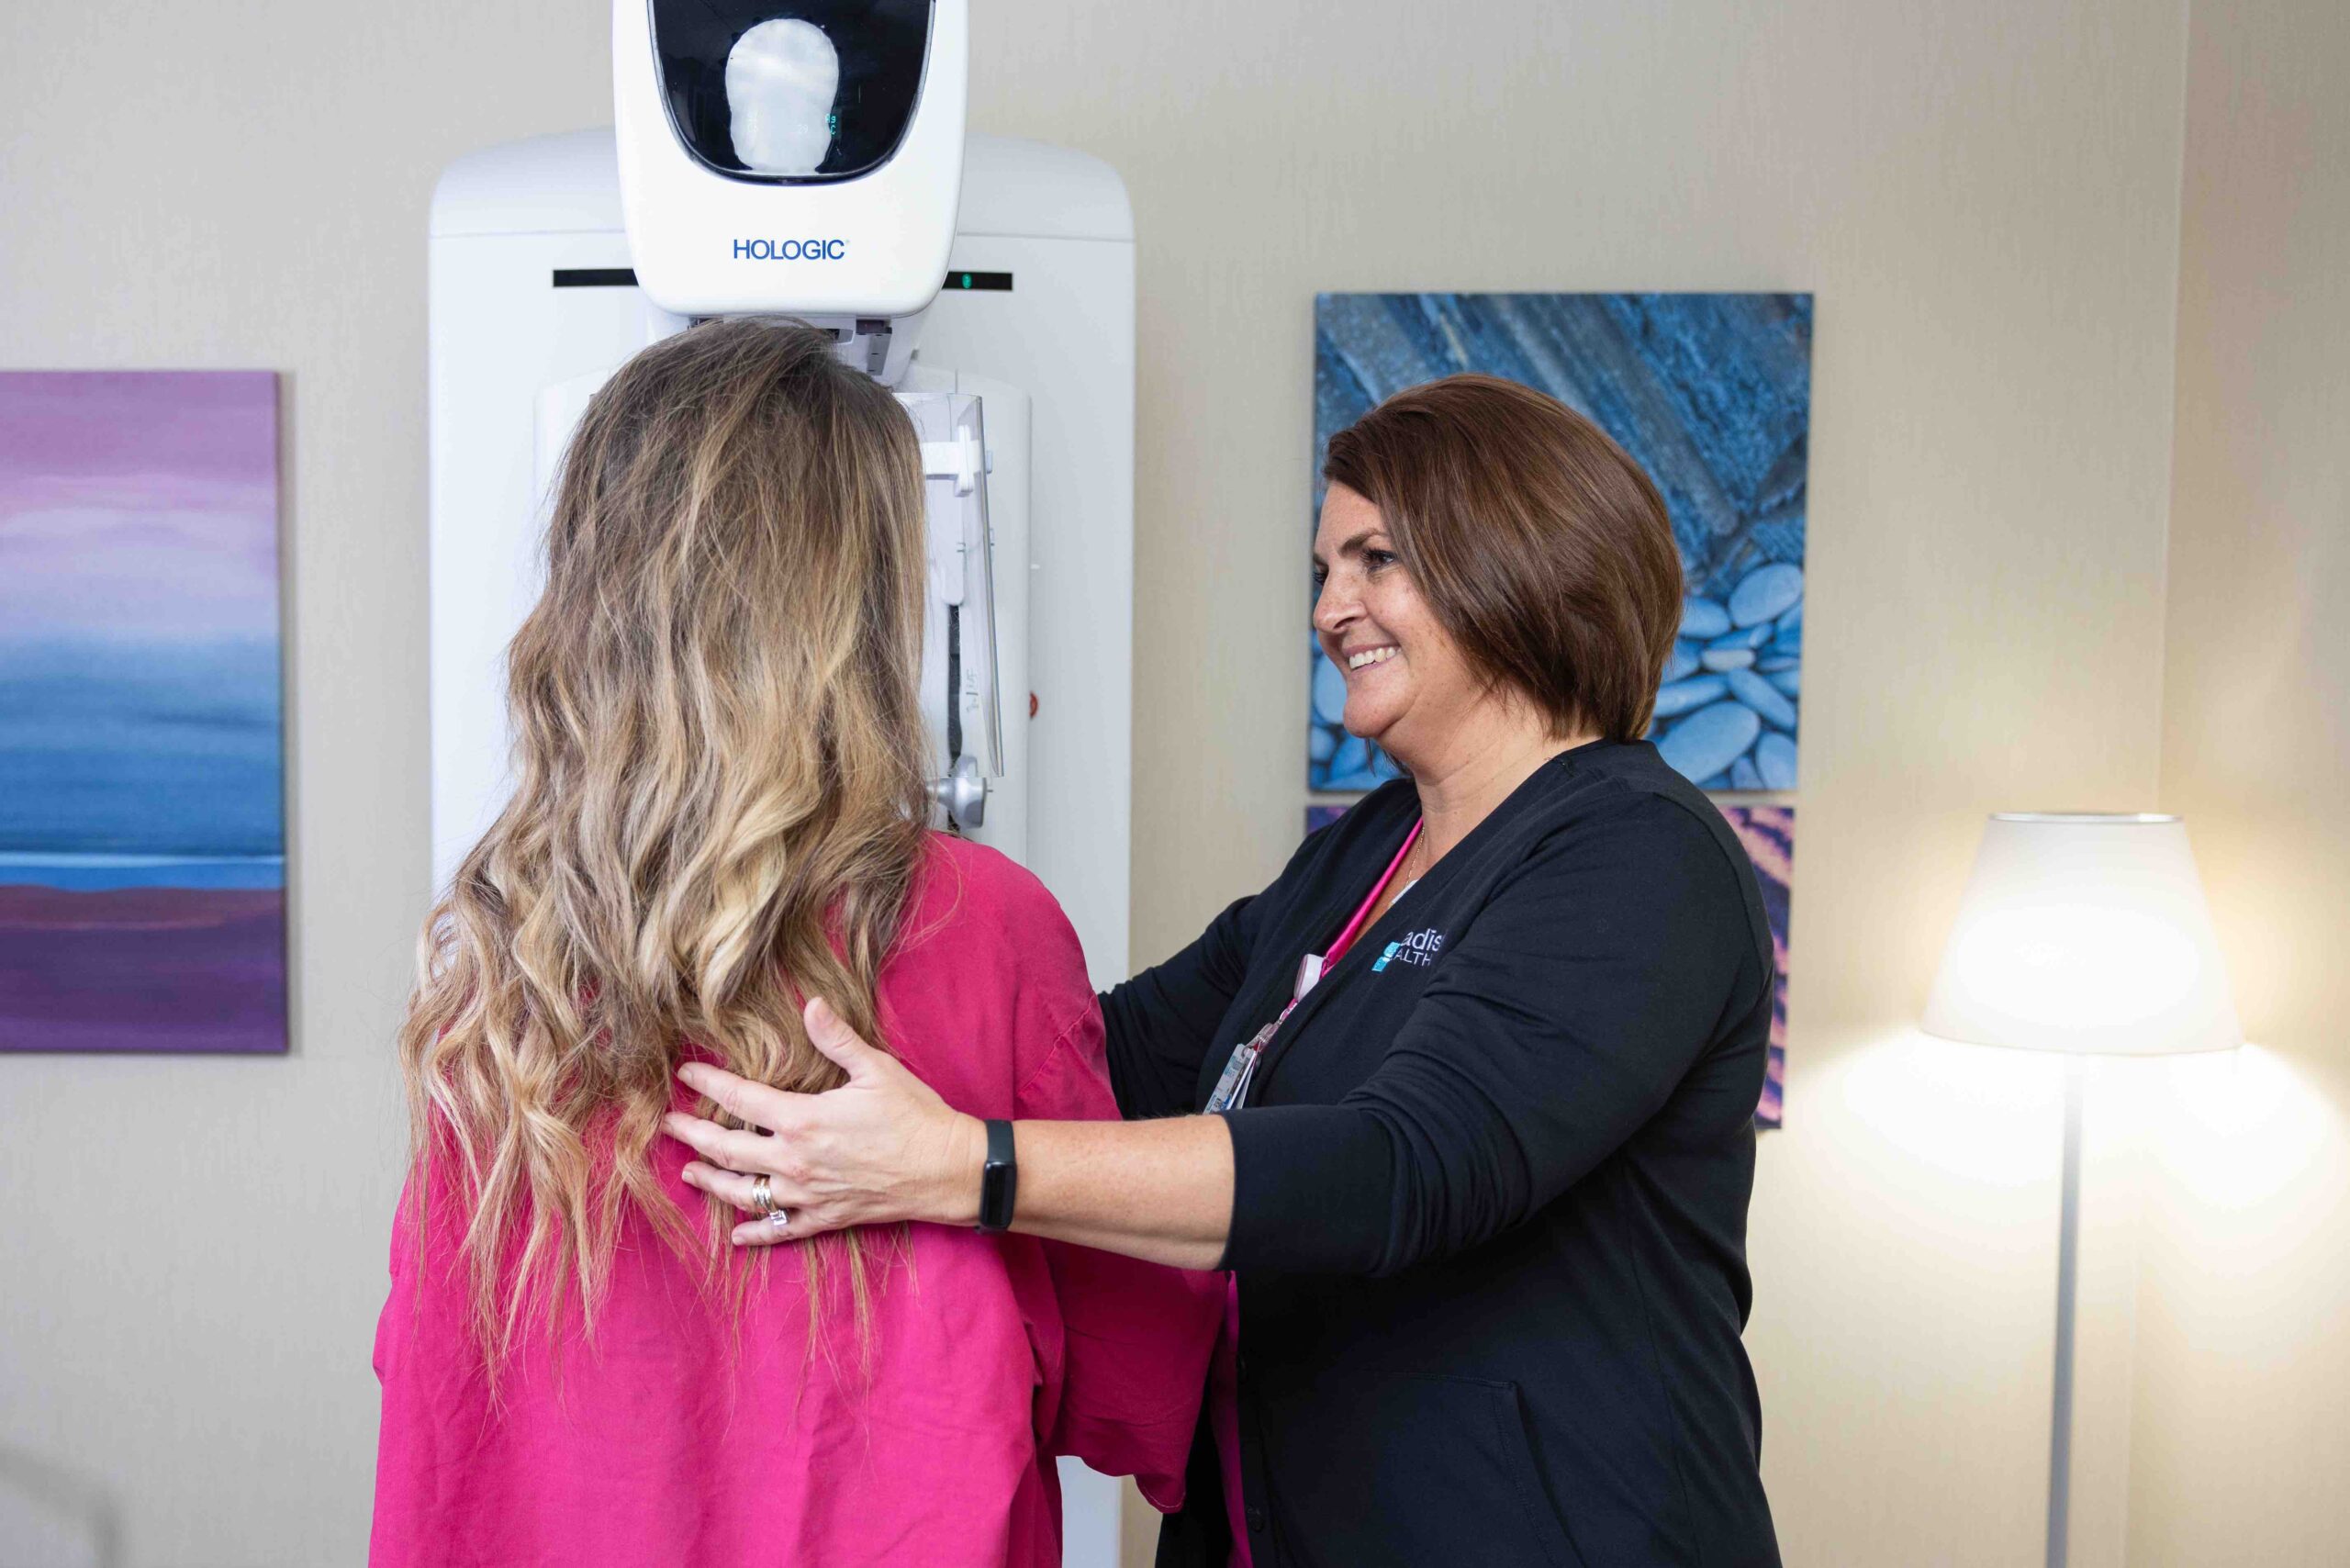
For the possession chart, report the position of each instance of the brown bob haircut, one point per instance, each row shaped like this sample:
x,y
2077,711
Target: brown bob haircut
x,y
1542,548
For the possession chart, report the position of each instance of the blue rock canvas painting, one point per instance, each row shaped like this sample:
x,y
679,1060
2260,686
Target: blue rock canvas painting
x,y
1712,394
142,869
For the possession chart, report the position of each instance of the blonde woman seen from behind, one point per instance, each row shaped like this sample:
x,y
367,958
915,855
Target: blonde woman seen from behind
x,y
719,814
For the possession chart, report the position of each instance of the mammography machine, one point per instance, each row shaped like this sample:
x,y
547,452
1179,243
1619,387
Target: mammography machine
x,y
809,158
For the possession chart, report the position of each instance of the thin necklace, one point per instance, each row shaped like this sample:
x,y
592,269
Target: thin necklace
x,y
1419,853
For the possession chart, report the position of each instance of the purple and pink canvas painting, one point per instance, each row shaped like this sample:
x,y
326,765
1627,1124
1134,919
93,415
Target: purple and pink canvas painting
x,y
1769,835
142,854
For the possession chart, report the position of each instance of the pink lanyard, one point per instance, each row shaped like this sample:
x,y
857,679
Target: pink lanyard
x,y
1362,917
1232,1088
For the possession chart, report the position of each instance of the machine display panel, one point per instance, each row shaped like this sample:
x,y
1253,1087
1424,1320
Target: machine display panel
x,y
792,91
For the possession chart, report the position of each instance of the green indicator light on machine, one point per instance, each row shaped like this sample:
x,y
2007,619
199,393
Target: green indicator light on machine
x,y
967,280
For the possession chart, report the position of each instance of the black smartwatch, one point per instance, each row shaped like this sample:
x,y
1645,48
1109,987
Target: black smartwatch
x,y
999,1180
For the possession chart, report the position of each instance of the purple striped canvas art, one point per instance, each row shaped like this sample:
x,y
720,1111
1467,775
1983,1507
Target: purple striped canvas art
x,y
143,855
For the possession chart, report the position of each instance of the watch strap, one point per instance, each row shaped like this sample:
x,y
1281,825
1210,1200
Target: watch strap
x,y
999,1179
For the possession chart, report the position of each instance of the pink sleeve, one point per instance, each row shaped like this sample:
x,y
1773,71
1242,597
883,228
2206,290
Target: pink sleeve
x,y
435,1410
1136,1336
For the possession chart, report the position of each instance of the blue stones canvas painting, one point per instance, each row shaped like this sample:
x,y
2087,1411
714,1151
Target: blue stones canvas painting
x,y
1711,392
143,869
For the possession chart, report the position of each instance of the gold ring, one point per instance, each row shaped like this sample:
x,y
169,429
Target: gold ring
x,y
762,1199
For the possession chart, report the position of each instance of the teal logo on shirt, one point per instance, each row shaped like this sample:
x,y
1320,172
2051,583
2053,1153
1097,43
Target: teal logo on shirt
x,y
1419,947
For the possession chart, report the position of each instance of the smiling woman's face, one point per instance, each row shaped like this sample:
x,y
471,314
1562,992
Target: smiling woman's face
x,y
1407,685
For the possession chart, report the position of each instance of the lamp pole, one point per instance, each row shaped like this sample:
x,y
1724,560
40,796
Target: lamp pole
x,y
2068,1270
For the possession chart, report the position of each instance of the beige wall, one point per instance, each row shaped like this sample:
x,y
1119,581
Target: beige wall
x,y
2243,1431
192,1252
1985,200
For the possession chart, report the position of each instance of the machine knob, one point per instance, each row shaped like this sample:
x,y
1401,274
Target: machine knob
x,y
963,793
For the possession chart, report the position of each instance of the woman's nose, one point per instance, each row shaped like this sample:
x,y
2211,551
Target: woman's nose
x,y
1333,608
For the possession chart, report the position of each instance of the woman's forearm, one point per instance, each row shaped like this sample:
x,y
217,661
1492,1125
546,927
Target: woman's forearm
x,y
1159,1190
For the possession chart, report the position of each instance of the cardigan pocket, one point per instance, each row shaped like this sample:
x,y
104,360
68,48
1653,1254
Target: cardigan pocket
x,y
1513,1439
1432,1469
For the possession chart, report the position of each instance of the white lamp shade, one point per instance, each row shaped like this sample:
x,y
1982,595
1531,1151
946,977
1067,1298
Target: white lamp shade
x,y
2084,933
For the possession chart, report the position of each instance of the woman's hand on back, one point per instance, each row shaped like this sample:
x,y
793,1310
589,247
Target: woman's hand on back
x,y
881,1147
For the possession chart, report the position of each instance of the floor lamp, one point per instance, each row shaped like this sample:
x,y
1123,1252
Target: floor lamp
x,y
2085,934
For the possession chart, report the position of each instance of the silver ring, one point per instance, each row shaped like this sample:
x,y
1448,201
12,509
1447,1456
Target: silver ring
x,y
763,1198
779,1218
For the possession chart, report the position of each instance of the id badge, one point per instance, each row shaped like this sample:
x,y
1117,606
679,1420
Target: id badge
x,y
1309,975
1234,1085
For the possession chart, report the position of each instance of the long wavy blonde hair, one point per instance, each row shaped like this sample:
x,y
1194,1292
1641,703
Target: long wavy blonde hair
x,y
719,809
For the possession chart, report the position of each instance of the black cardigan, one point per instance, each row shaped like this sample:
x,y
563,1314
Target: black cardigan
x,y
1490,1220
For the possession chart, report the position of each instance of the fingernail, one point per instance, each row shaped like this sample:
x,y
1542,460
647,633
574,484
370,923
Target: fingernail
x,y
688,1072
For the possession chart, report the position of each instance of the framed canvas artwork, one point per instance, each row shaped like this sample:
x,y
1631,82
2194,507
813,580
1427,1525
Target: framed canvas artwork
x,y
142,850
1769,835
1711,395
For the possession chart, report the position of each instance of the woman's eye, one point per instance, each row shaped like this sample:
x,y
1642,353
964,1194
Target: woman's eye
x,y
1320,576
1378,559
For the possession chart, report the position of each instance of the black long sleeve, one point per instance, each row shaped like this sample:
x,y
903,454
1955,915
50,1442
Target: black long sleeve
x,y
1556,1027
1159,1026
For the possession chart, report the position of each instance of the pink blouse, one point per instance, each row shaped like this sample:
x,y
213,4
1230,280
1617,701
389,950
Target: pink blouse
x,y
664,1442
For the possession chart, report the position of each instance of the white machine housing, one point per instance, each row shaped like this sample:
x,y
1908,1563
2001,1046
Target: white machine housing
x,y
714,240
534,301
